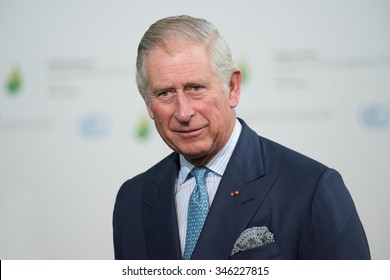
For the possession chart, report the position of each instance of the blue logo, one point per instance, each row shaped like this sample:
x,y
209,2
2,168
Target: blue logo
x,y
95,126
376,115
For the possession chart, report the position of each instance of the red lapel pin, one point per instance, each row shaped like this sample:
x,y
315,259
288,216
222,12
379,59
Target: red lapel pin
x,y
234,193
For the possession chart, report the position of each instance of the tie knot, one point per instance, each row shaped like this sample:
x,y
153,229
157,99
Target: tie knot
x,y
199,174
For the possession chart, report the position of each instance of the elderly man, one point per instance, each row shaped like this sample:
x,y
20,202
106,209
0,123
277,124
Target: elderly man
x,y
224,192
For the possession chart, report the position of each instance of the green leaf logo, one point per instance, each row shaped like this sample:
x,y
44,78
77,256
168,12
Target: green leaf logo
x,y
143,128
14,81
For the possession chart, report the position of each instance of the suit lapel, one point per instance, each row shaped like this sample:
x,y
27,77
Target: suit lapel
x,y
230,215
159,213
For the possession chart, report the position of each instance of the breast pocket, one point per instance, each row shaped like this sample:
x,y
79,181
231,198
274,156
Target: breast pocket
x,y
266,252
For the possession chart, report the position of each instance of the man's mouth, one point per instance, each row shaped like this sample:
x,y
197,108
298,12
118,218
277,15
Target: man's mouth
x,y
190,132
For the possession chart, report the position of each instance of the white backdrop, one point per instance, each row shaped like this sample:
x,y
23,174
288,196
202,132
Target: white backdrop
x,y
73,127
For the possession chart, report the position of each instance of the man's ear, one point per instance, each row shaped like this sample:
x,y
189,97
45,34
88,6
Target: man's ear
x,y
235,87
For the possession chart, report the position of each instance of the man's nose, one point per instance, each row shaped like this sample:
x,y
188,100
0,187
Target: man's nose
x,y
184,110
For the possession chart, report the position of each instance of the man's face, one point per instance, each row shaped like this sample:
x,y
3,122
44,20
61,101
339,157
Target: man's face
x,y
191,111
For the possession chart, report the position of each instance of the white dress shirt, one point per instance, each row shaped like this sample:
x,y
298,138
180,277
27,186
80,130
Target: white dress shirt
x,y
186,182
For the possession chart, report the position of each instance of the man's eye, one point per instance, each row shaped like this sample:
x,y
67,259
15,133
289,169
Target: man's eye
x,y
163,93
195,89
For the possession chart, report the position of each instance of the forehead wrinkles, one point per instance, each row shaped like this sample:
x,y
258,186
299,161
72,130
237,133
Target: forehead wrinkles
x,y
178,76
174,47
184,66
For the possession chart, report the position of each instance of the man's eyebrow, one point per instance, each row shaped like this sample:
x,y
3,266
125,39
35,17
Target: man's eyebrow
x,y
162,89
198,82
194,82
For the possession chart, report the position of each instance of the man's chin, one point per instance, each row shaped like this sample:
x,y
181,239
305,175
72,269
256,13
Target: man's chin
x,y
198,158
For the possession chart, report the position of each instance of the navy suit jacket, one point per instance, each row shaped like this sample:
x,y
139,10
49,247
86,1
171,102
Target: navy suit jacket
x,y
302,202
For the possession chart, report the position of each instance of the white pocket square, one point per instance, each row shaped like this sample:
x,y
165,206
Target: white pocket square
x,y
252,238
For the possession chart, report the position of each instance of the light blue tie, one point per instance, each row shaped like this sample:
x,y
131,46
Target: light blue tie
x,y
198,207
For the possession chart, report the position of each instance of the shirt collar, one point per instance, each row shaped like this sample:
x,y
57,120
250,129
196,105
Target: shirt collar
x,y
217,164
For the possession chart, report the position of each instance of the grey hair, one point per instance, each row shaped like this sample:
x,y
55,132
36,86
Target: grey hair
x,y
184,29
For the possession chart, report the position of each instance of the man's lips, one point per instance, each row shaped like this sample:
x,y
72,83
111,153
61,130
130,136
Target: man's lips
x,y
189,132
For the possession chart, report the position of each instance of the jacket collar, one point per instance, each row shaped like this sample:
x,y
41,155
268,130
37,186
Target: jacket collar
x,y
159,212
228,216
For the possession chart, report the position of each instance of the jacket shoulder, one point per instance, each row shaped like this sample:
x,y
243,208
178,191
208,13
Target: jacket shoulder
x,y
134,185
279,155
